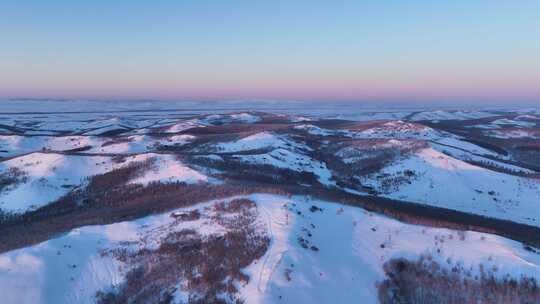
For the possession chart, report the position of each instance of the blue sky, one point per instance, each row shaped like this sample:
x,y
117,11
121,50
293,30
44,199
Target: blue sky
x,y
320,50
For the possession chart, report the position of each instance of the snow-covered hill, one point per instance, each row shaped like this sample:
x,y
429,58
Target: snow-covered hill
x,y
319,252
433,178
190,205
49,176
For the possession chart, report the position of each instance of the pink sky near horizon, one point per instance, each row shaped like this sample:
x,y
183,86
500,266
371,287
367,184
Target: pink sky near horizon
x,y
302,50
317,86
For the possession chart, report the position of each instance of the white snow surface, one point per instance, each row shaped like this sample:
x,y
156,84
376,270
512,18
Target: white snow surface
x,y
242,117
52,175
519,123
282,158
450,115
514,133
168,169
443,181
314,130
252,142
13,145
345,269
49,176
398,129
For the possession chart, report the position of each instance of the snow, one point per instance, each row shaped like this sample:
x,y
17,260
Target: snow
x,y
252,142
349,261
17,145
299,118
180,139
461,144
484,126
345,269
50,176
168,169
515,133
45,273
468,157
354,154
527,117
182,126
282,158
130,144
63,143
519,123
242,117
245,117
285,153
139,143
450,115
314,130
399,130
443,181
72,268
12,145
103,130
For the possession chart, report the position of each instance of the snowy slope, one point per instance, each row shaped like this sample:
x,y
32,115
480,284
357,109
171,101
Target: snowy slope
x,y
52,175
400,130
285,159
349,259
49,176
252,142
443,181
314,130
514,133
450,115
168,169
241,117
467,156
518,123
13,145
284,153
344,267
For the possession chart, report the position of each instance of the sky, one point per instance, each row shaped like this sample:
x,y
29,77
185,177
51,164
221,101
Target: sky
x,y
461,50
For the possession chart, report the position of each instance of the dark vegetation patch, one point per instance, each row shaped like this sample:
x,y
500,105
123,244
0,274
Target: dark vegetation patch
x,y
490,165
235,128
207,268
114,132
192,215
11,178
371,159
425,281
79,149
488,146
99,184
11,129
531,158
347,125
116,140
121,203
235,205
274,119
234,169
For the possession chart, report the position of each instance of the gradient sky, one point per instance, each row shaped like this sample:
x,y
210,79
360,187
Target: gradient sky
x,y
308,50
